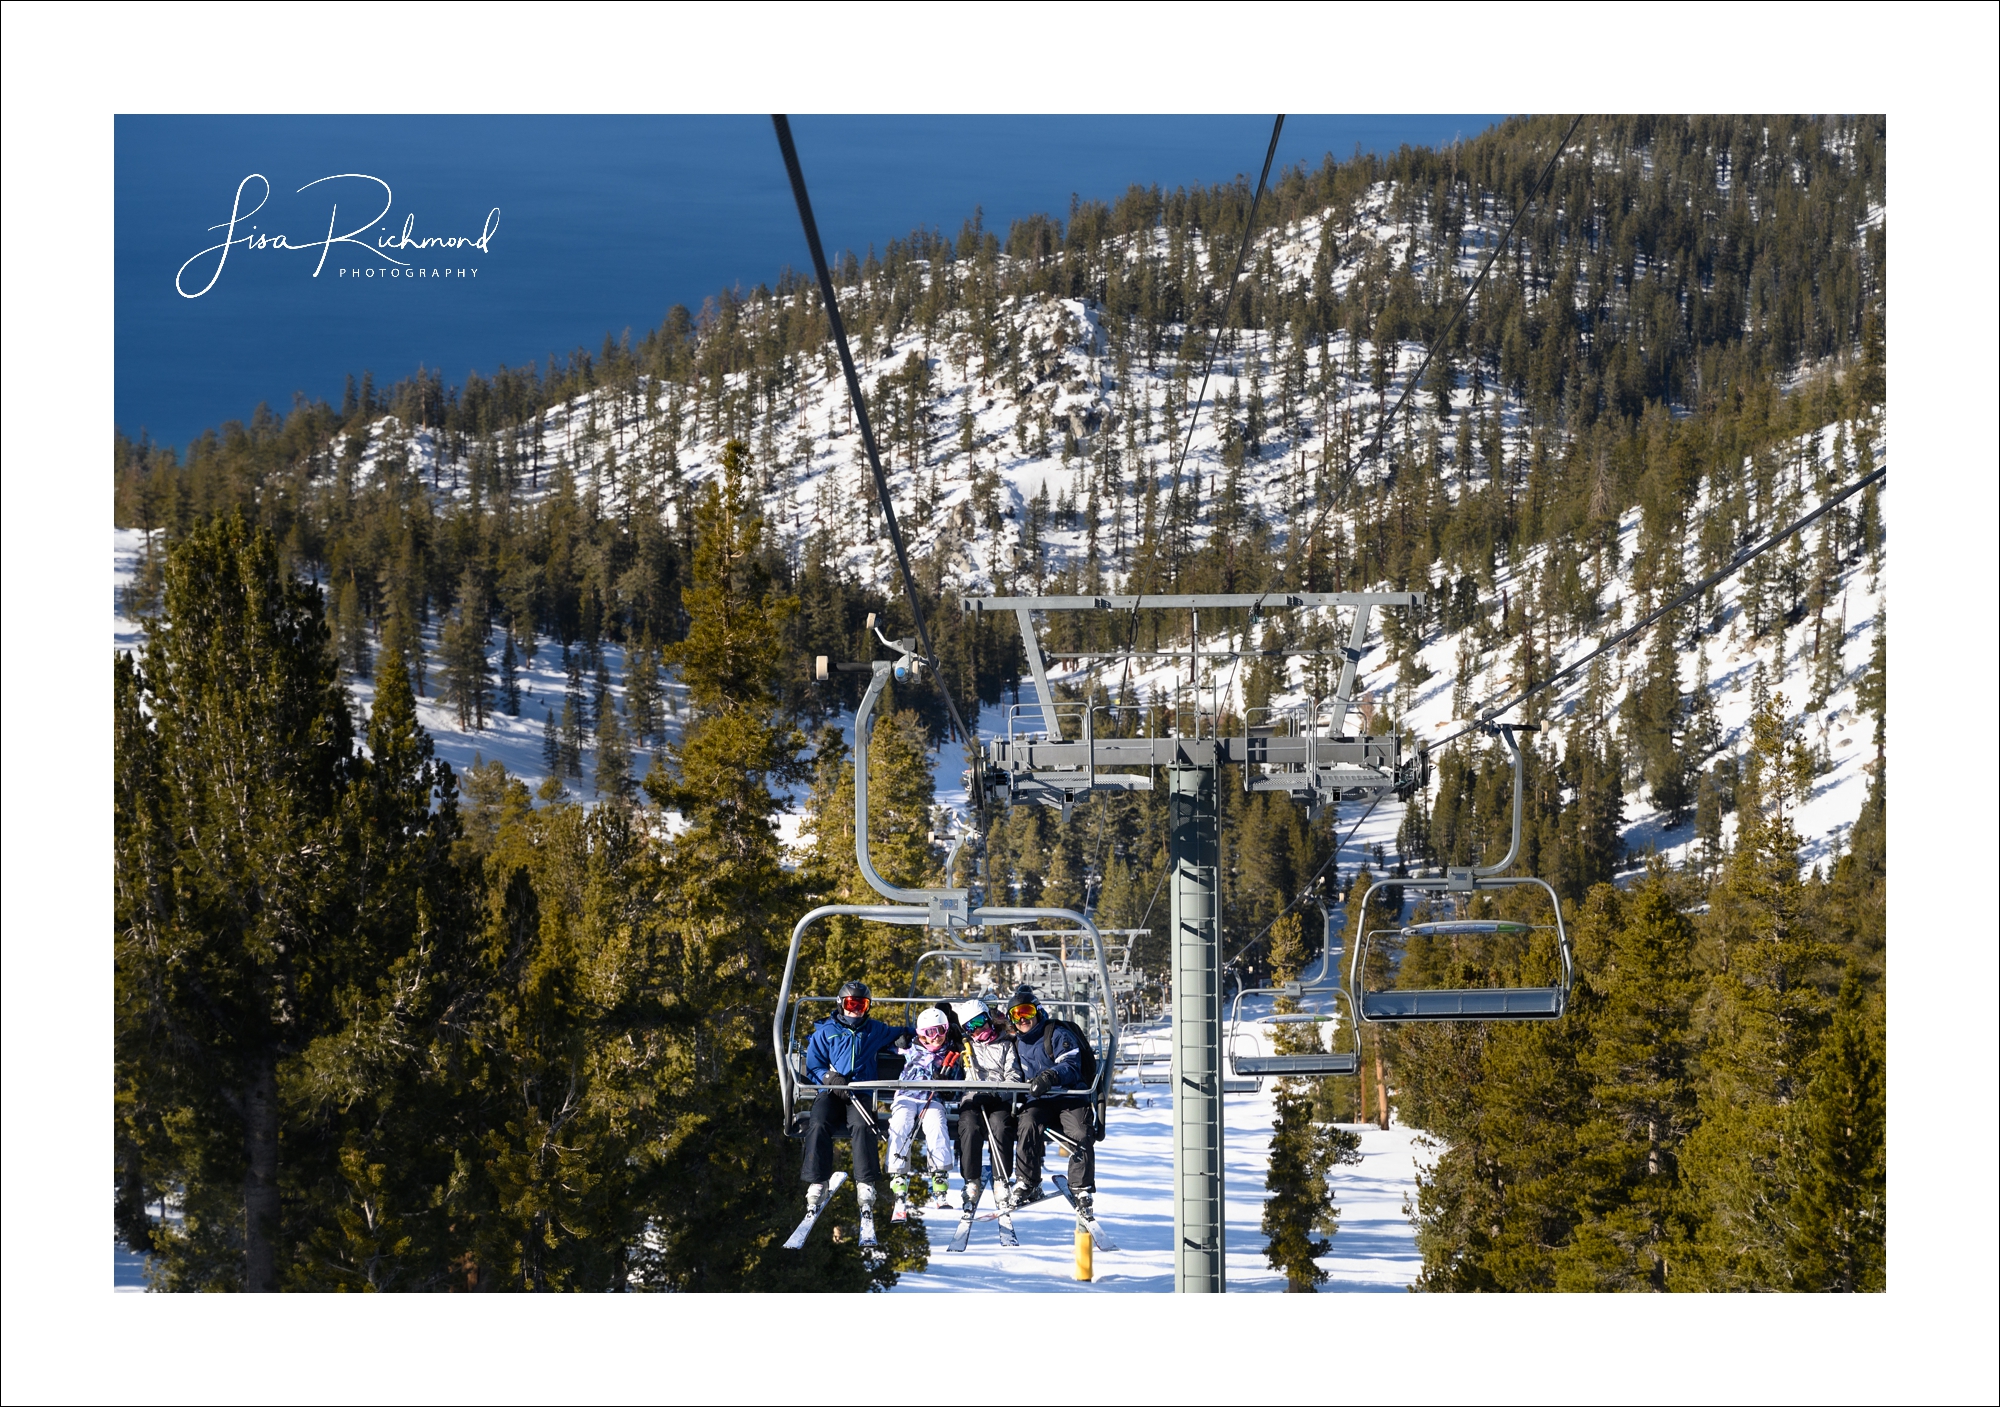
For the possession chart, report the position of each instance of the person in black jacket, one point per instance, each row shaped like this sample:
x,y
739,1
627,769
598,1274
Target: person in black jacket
x,y
843,1047
1052,1064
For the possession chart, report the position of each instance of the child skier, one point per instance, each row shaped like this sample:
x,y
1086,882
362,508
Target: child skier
x,y
922,1110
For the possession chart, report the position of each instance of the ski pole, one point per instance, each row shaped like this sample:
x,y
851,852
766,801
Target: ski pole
x,y
993,1142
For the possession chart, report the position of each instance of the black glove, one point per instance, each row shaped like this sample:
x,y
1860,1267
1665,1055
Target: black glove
x,y
834,1077
1043,1082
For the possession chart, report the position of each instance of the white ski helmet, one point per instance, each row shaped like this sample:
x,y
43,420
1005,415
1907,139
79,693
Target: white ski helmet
x,y
968,1009
931,1019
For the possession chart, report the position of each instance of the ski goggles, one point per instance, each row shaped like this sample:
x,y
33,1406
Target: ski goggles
x,y
933,1037
854,1006
977,1024
1023,1013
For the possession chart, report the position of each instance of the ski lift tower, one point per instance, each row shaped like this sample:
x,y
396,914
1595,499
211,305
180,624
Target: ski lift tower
x,y
1052,754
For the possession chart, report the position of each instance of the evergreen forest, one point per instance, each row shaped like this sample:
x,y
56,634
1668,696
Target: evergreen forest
x,y
388,1023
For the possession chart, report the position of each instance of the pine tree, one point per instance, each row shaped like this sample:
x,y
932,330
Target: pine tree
x,y
1766,1012
572,737
232,910
1639,953
729,909
552,747
352,629
468,676
614,758
642,696
1300,1215
1838,1226
510,678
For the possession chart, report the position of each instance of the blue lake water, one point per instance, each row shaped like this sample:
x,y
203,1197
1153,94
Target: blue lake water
x,y
602,224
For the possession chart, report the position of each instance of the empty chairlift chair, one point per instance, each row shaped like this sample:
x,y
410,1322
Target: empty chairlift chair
x,y
1322,988
1467,1003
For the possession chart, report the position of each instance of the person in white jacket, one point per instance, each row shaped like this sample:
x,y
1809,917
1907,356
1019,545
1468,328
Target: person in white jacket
x,y
922,1110
984,1118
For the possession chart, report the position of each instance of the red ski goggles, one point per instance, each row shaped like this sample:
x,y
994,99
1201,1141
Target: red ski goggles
x,y
854,1006
1023,1013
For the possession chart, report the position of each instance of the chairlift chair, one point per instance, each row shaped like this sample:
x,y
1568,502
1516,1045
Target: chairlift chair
x,y
1308,988
1466,1003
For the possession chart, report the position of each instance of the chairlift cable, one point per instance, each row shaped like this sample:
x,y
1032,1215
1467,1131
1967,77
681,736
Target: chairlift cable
x,y
1307,888
783,127
1735,565
1229,296
1382,426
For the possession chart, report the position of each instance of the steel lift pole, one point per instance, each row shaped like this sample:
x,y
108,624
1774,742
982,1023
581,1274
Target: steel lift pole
x,y
1200,1228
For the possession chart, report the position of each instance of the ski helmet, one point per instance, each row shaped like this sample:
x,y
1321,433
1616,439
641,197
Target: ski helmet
x,y
1024,995
932,1019
975,1020
853,1002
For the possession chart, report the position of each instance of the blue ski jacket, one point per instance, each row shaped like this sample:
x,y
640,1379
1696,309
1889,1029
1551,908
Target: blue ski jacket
x,y
1050,1047
849,1050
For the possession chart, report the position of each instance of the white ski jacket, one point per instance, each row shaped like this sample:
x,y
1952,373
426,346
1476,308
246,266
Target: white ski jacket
x,y
992,1060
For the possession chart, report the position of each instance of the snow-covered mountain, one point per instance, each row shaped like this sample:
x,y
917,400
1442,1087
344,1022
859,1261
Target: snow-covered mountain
x,y
1003,478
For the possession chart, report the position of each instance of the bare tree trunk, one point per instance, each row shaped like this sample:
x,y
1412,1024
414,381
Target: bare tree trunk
x,y
1361,1084
260,1184
1381,1087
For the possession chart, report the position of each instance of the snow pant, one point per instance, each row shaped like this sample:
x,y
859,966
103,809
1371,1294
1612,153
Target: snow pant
x,y
975,1112
905,1119
1070,1114
828,1110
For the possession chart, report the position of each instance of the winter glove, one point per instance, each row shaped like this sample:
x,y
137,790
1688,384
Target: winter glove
x,y
834,1077
1043,1082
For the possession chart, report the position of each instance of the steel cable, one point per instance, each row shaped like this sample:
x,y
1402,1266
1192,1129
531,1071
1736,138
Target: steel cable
x,y
792,169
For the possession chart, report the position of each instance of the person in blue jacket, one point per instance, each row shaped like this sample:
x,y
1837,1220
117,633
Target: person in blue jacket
x,y
843,1047
1052,1064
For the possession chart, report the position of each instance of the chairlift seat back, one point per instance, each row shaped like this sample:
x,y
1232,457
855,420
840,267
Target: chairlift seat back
x,y
1446,928
1465,1004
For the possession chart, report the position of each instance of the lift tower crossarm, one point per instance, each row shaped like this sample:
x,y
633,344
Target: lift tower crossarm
x,y
1237,601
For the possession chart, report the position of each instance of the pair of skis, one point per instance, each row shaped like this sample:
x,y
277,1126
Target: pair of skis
x,y
963,1236
1087,1220
797,1240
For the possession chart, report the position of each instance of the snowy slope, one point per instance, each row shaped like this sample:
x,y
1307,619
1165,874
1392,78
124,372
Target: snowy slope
x,y
1375,1249
613,443
614,446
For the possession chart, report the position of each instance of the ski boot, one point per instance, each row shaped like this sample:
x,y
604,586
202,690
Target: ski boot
x,y
815,1198
940,1189
1025,1196
1083,1206
864,1193
899,1188
968,1197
